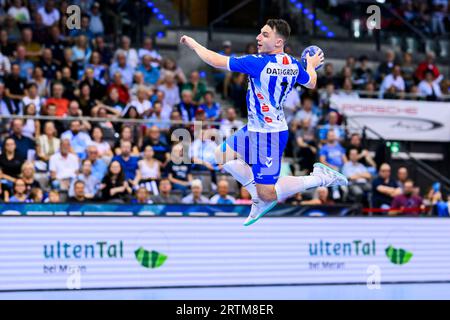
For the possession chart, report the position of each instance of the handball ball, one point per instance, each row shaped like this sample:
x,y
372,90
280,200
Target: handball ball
x,y
311,50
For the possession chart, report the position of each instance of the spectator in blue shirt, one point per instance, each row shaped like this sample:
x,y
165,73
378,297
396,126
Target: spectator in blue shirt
x,y
123,68
78,139
333,125
151,74
222,196
332,153
128,162
99,166
211,108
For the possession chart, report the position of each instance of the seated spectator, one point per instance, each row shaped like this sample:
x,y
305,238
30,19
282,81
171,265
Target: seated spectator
x,y
347,90
63,166
121,66
202,153
19,12
127,135
178,170
197,87
31,96
150,73
112,100
230,123
211,108
291,104
363,74
103,147
15,87
142,196
327,76
332,124
53,197
186,107
170,89
141,103
31,128
81,52
48,65
99,166
427,65
165,196
128,162
85,100
393,84
99,73
364,156
91,183
48,143
61,103
222,196
10,161
402,176
115,188
130,53
196,197
358,176
170,66
384,188
79,140
306,112
148,172
79,195
122,89
148,50
50,15
36,195
160,118
386,66
244,197
332,154
27,175
157,141
96,88
23,143
19,191
407,200
305,147
429,87
320,198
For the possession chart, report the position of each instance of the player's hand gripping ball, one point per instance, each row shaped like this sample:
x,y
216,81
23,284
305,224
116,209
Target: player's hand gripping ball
x,y
311,51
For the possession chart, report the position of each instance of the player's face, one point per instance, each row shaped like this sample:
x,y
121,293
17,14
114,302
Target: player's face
x,y
268,40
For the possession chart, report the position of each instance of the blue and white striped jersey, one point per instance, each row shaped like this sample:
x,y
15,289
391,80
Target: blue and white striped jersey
x,y
271,78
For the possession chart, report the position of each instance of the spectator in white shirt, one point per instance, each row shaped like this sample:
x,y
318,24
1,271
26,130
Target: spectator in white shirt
x,y
147,49
19,12
358,176
230,124
63,166
130,53
429,87
5,66
141,103
122,67
307,112
31,96
393,83
291,104
50,15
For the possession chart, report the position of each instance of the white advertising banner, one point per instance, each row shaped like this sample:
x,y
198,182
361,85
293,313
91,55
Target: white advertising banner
x,y
137,252
399,119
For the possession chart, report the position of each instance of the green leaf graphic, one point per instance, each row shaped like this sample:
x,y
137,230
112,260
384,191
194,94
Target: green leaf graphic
x,y
147,259
398,255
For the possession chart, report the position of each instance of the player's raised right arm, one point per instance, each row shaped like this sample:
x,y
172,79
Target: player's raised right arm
x,y
208,56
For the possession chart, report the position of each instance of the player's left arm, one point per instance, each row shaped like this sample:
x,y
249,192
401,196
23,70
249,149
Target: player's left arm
x,y
311,64
208,56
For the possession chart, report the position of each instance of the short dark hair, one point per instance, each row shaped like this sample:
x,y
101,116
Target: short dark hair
x,y
281,27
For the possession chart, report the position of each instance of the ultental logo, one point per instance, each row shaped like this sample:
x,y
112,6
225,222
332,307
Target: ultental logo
x,y
150,259
398,255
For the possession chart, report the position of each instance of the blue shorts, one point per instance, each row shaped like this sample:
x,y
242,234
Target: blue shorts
x,y
261,150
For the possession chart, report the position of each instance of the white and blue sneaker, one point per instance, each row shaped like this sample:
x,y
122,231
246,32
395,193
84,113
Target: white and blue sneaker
x,y
259,209
329,177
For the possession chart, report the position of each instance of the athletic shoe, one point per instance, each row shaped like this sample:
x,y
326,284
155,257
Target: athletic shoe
x,y
259,209
329,177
